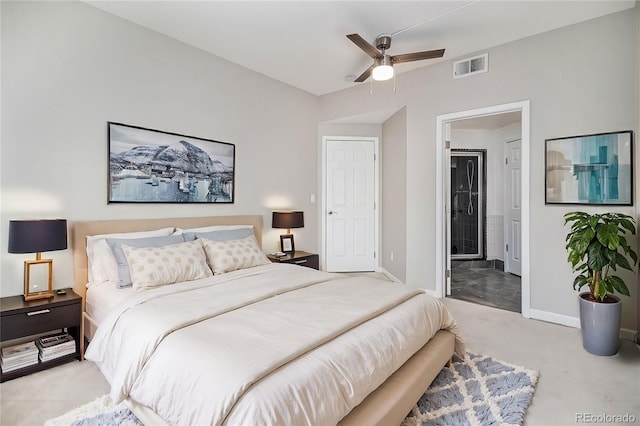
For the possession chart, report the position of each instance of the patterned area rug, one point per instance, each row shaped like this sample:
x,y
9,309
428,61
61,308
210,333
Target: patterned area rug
x,y
476,391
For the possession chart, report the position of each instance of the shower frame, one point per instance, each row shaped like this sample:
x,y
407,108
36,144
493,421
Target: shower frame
x,y
481,154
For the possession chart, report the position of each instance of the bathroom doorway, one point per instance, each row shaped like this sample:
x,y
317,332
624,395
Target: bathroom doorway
x,y
479,220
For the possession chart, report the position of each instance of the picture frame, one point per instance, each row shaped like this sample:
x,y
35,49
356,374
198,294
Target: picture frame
x,y
595,169
153,166
286,243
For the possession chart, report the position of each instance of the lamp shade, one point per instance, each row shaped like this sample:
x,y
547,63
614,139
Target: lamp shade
x,y
287,220
36,236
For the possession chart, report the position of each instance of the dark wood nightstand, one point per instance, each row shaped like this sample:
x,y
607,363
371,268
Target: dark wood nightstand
x,y
301,258
20,319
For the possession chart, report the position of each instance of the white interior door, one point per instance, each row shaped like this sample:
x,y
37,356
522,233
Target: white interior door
x,y
350,205
513,211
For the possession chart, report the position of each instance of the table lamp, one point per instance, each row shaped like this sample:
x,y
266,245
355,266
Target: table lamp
x,y
37,236
287,220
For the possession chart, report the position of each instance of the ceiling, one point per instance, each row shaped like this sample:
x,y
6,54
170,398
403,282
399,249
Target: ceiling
x,y
303,43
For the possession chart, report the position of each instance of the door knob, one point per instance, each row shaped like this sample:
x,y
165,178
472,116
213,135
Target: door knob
x,y
332,212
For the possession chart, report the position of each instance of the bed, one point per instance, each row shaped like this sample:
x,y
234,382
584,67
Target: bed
x,y
269,344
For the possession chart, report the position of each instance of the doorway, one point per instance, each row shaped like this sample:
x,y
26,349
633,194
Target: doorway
x,y
350,200
494,255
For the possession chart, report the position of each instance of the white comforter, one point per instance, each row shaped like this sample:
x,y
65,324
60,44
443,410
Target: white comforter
x,y
275,344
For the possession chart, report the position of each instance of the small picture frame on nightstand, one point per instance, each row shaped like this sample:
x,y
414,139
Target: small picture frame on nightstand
x,y
286,243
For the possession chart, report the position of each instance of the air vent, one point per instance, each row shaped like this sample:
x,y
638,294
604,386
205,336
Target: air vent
x,y
471,66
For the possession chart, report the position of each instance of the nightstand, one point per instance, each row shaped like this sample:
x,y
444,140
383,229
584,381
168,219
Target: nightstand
x,y
301,258
20,319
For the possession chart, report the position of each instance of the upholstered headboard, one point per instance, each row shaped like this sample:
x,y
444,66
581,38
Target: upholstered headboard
x,y
82,229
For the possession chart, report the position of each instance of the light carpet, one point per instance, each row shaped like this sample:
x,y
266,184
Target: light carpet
x,y
476,391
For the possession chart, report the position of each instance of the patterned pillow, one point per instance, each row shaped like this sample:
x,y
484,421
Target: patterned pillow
x,y
115,244
156,266
227,256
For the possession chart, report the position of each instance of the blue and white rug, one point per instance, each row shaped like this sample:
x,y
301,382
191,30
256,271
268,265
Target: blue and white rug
x,y
476,391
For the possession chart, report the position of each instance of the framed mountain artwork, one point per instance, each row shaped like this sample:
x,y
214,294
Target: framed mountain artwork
x,y
150,166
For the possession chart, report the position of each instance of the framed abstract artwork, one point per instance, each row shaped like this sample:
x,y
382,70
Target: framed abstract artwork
x,y
150,166
590,169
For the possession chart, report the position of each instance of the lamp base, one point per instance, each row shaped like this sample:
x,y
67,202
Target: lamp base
x,y
37,296
47,264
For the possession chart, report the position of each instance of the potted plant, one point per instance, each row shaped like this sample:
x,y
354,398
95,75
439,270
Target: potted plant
x,y
597,247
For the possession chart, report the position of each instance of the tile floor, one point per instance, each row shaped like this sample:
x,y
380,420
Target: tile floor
x,y
480,282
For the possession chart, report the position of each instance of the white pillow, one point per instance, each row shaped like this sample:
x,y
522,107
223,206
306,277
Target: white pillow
x,y
104,267
156,266
227,256
100,264
180,231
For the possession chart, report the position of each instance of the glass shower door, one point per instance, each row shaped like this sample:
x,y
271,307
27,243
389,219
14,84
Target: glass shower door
x,y
467,204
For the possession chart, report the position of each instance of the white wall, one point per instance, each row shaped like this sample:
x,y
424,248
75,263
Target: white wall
x,y
68,68
394,195
580,79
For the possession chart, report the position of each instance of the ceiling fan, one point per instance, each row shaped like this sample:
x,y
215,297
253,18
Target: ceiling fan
x,y
382,68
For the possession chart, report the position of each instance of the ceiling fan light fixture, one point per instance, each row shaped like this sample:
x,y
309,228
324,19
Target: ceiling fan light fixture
x,y
383,70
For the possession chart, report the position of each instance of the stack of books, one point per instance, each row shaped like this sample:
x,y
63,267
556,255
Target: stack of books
x,y
18,356
55,346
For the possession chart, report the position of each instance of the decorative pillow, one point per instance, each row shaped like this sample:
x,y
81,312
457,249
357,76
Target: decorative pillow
x,y
156,266
124,276
227,256
220,234
100,267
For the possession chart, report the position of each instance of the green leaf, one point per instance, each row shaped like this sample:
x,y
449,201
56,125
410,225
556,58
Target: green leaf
x,y
628,224
622,261
608,236
596,259
593,221
605,285
611,257
579,282
575,215
623,241
618,284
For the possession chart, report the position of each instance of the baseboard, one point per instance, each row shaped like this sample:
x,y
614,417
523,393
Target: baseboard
x,y
389,275
554,318
397,280
625,333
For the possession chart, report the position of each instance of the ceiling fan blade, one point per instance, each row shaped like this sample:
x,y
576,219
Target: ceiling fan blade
x,y
362,44
364,75
417,56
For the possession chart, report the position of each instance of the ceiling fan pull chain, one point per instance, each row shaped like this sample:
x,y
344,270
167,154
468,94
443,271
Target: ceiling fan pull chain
x,y
394,82
370,87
